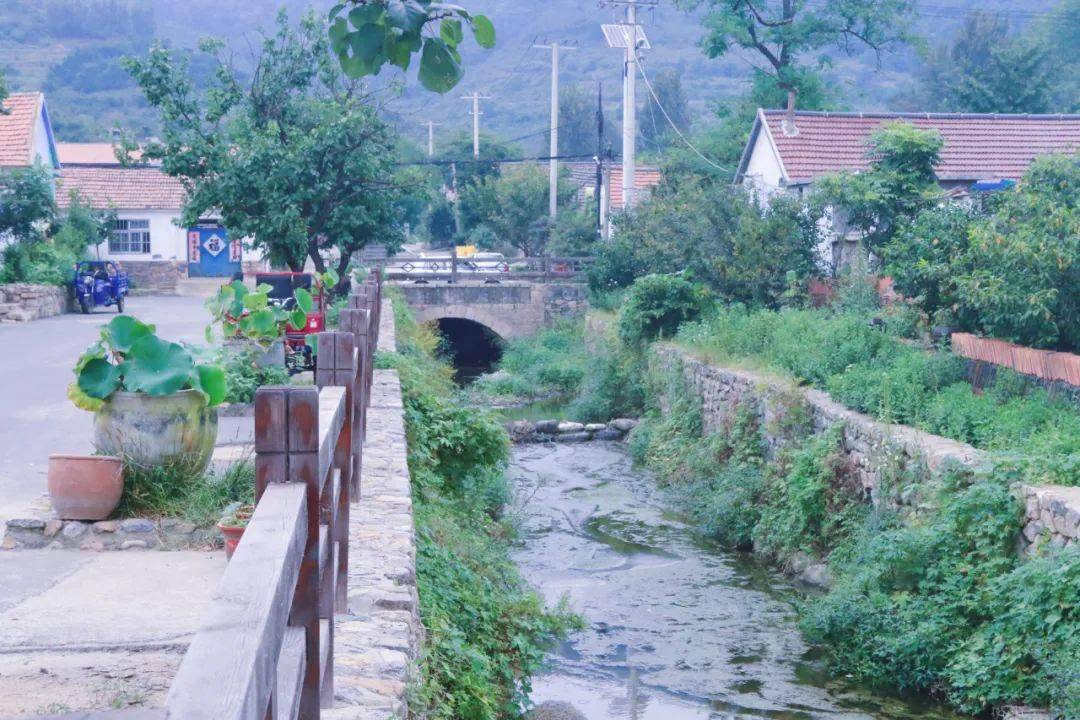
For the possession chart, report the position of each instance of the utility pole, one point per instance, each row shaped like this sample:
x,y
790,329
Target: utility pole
x,y
633,38
476,98
553,192
430,137
599,160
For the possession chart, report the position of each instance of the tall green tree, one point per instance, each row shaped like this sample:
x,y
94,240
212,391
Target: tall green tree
x,y
577,121
293,155
787,35
656,130
515,206
367,35
988,70
899,184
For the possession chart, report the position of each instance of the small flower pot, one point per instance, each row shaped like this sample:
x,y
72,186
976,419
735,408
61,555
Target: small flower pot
x,y
232,535
85,487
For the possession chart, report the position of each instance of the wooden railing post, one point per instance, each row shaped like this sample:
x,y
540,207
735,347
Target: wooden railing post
x,y
287,450
337,365
356,322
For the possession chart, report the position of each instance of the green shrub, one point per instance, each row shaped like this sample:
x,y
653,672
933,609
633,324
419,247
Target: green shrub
x,y
656,306
244,375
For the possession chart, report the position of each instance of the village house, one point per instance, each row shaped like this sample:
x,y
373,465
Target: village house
x,y
980,152
26,136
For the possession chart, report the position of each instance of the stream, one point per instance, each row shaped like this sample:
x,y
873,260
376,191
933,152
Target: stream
x,y
678,627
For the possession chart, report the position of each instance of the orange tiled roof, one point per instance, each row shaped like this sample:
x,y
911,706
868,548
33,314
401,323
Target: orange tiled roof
x,y
17,128
977,147
123,188
645,178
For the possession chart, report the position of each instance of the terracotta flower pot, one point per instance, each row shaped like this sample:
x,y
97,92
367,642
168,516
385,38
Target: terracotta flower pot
x,y
232,535
85,487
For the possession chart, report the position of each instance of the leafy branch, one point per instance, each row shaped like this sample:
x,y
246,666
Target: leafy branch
x,y
369,34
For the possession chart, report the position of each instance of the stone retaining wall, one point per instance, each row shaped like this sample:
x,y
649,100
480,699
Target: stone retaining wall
x,y
1052,516
378,641
23,302
872,447
129,534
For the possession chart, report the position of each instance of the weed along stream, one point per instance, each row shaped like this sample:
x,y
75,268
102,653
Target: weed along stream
x,y
677,627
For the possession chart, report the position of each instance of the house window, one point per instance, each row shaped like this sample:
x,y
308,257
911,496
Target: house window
x,y
130,236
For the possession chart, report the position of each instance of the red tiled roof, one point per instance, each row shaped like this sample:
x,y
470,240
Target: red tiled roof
x,y
17,128
123,188
976,146
645,178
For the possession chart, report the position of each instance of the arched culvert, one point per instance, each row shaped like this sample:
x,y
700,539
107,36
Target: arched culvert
x,y
473,348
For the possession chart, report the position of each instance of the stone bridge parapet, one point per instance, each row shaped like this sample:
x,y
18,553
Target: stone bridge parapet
x,y
510,309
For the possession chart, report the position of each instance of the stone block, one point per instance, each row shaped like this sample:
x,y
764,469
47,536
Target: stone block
x,y
137,525
74,529
595,427
609,435
1033,530
548,427
26,524
106,526
571,427
573,437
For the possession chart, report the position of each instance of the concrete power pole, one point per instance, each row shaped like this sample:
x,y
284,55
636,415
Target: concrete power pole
x,y
475,98
430,136
553,192
631,38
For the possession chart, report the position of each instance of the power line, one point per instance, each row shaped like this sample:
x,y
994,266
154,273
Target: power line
x,y
674,127
475,161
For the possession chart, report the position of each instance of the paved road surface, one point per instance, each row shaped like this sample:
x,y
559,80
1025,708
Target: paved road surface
x,y
36,418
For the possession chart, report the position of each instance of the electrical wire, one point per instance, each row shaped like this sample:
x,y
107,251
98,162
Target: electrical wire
x,y
663,110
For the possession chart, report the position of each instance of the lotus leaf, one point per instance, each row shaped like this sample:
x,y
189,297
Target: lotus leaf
x,y
304,300
123,331
99,378
210,380
157,367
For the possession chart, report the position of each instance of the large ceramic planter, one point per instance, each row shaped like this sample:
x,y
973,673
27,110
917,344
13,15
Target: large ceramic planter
x,y
154,431
85,487
273,356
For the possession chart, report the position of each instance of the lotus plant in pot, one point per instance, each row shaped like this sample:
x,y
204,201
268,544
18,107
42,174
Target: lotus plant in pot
x,y
152,403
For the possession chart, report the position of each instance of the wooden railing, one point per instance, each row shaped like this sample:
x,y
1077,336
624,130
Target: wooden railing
x,y
266,650
451,268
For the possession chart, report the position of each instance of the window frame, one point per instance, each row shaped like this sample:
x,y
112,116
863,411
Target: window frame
x,y
128,240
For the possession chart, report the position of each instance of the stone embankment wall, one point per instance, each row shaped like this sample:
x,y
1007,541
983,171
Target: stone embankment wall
x,y
23,302
874,449
1052,516
377,643
128,534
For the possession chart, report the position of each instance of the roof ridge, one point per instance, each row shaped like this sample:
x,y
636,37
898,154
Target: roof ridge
x,y
924,115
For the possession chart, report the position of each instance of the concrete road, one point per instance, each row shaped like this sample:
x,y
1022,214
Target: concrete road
x,y
102,630
36,418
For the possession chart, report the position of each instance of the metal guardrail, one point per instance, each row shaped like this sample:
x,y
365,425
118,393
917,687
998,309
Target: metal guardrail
x,y
451,268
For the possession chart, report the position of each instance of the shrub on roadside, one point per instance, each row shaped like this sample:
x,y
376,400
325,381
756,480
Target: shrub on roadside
x,y
244,375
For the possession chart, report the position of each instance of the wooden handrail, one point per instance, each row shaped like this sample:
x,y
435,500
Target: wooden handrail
x,y
267,648
236,653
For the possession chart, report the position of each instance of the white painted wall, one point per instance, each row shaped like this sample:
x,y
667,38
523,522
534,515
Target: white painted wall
x,y
763,172
40,150
167,240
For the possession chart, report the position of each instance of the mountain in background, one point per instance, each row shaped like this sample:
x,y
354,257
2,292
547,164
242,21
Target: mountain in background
x,y
71,49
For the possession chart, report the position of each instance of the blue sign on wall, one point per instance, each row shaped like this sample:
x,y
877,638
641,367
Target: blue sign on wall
x,y
211,253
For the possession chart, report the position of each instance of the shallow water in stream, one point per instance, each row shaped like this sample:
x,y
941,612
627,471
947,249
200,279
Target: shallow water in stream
x,y
678,627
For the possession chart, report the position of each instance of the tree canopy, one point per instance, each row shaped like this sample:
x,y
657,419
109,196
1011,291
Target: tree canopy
x,y
900,183
782,35
293,155
988,70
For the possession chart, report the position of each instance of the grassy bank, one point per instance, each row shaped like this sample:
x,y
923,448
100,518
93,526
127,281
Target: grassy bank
x,y
486,631
928,596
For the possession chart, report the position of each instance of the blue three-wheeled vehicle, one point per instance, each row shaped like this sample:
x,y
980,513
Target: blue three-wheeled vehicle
x,y
99,282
